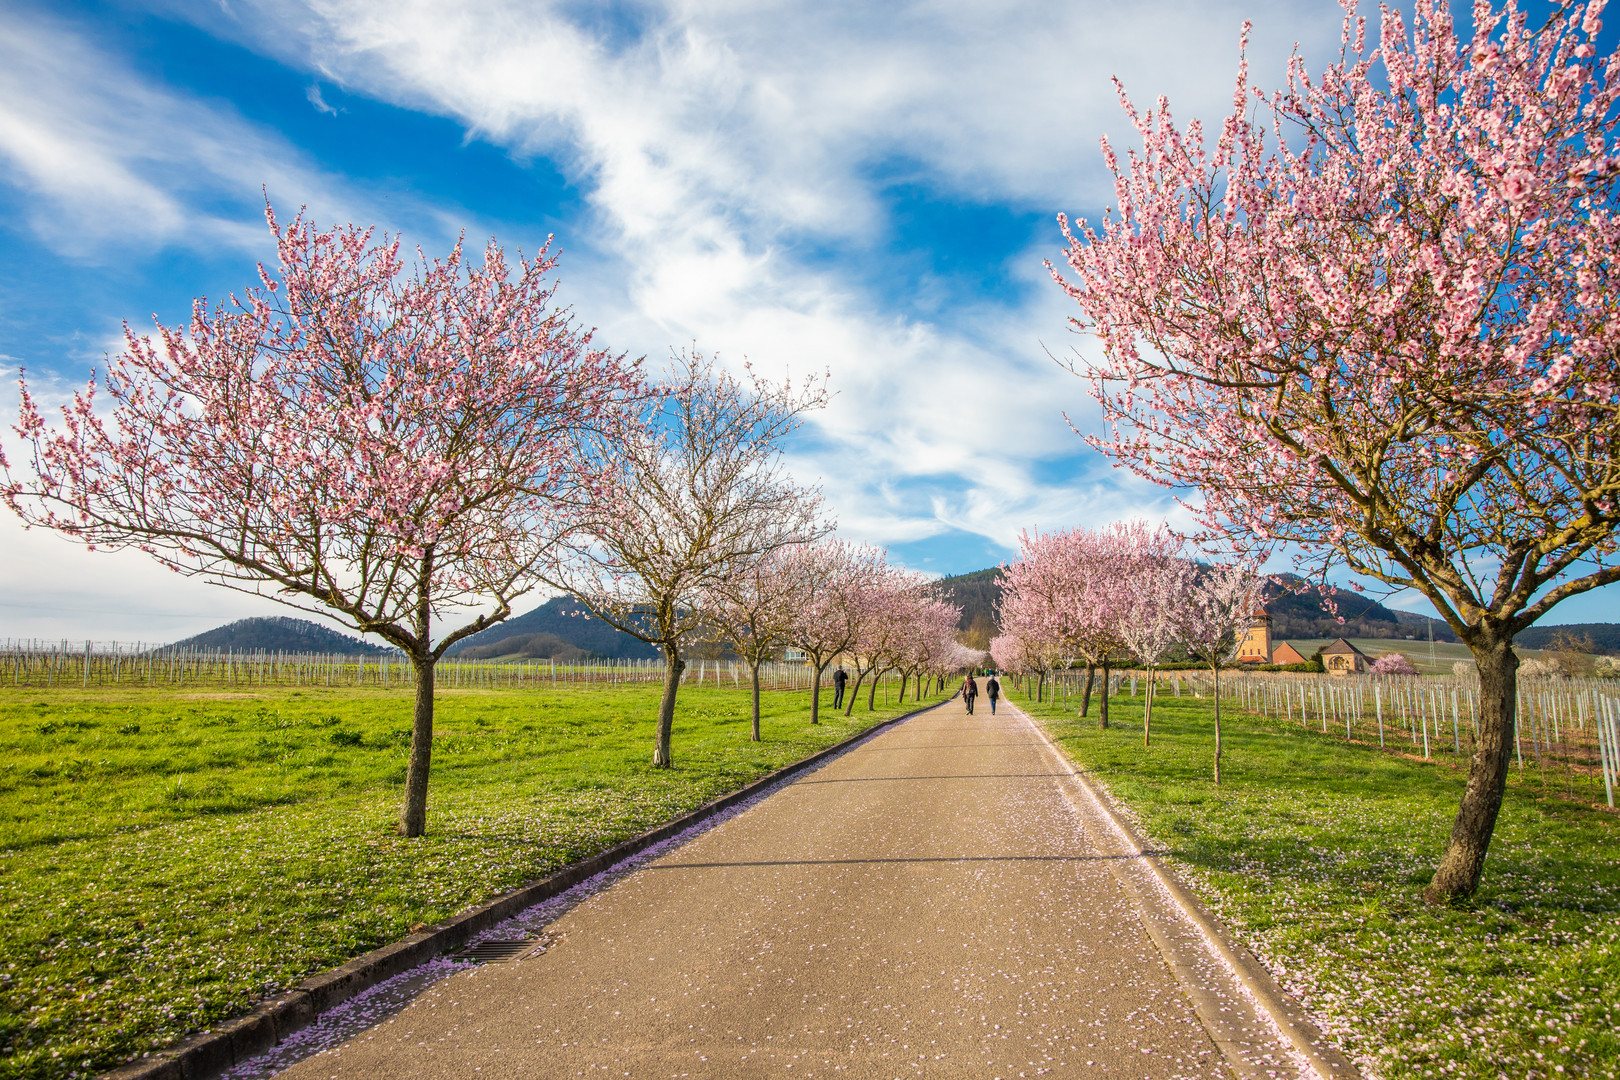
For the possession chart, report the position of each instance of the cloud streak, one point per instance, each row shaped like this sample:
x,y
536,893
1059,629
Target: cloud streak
x,y
717,142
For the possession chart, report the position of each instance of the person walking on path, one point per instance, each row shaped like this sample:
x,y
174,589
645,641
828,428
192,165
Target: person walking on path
x,y
993,688
840,677
970,690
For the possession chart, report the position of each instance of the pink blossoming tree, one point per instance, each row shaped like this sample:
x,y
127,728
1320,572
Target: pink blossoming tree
x,y
681,496
1156,582
378,445
754,608
1215,612
837,578
1387,332
1393,663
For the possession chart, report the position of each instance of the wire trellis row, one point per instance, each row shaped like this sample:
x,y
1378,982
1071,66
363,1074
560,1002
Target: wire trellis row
x,y
123,664
1568,729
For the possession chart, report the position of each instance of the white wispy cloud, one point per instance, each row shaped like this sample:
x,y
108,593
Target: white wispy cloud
x,y
714,140
736,161
313,95
110,158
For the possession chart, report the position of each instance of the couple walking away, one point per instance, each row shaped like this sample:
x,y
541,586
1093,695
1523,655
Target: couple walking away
x,y
970,691
840,677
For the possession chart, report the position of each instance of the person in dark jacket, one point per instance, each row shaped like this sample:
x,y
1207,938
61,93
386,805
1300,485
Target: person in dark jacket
x,y
970,690
840,677
992,687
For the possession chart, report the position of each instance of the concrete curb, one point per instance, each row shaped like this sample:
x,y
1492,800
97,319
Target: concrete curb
x,y
1290,1018
210,1053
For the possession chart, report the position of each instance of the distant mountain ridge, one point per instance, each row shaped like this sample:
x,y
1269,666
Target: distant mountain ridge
x,y
279,633
1293,614
560,618
564,628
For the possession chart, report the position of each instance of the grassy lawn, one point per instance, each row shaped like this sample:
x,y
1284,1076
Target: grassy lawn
x,y
1316,851
167,859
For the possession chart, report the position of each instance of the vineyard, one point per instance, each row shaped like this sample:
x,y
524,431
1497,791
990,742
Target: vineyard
x,y
114,664
1567,727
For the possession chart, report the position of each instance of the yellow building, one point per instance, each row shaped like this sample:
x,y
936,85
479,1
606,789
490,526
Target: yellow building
x,y
1343,658
1258,648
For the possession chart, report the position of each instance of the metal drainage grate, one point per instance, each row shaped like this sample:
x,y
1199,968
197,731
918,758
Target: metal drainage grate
x,y
498,952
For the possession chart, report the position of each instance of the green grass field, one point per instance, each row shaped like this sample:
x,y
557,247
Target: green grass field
x,y
1315,852
168,859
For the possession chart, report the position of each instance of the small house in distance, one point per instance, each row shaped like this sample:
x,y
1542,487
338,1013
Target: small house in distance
x,y
1258,648
1343,658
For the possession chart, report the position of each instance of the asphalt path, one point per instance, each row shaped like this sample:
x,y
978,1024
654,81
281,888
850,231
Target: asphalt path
x,y
938,901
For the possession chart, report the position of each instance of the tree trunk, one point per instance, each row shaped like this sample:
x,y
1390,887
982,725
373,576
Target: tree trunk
x,y
755,736
815,694
1217,669
1085,698
673,666
413,817
1147,710
1102,703
854,693
1460,867
871,695
1040,686
905,677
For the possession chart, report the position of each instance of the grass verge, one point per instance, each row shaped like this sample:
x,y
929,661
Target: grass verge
x,y
1315,851
167,859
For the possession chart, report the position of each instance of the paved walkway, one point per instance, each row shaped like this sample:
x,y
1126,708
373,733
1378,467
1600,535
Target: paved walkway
x,y
938,901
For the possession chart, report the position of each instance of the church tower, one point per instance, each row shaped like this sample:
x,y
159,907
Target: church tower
x,y
1255,648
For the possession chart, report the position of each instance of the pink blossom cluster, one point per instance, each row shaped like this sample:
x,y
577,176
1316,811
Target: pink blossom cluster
x,y
1093,595
1393,663
853,605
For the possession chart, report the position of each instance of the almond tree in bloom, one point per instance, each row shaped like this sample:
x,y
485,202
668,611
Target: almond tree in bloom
x,y
1044,602
930,645
1393,664
1108,569
347,437
836,577
885,610
1215,612
1387,333
1156,581
677,498
1009,653
754,607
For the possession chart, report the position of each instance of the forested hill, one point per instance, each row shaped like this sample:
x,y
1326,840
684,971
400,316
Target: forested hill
x,y
977,594
1296,614
560,620
1605,636
279,634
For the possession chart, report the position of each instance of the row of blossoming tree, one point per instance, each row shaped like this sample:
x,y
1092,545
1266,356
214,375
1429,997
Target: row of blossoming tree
x,y
833,601
1386,334
1122,593
411,448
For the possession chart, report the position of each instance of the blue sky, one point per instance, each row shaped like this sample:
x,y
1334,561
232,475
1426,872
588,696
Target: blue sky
x,y
868,188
